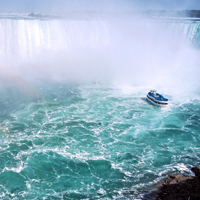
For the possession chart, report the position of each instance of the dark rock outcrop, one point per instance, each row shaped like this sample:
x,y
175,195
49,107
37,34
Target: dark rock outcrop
x,y
180,187
196,171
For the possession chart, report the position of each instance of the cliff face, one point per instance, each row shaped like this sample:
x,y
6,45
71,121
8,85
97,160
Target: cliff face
x,y
180,187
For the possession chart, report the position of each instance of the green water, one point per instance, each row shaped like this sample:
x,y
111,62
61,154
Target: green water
x,y
93,141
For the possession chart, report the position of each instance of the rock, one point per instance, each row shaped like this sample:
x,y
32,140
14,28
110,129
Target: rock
x,y
196,170
174,179
172,175
178,186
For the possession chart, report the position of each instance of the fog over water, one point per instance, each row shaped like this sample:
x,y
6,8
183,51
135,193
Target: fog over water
x,y
115,49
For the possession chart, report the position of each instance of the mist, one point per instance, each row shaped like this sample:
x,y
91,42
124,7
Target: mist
x,y
115,49
105,47
63,6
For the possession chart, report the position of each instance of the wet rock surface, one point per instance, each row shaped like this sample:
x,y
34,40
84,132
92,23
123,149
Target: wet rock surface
x,y
180,187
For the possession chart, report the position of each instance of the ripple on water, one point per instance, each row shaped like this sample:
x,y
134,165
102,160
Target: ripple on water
x,y
93,143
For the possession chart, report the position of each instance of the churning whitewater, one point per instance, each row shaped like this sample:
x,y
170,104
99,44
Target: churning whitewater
x,y
74,121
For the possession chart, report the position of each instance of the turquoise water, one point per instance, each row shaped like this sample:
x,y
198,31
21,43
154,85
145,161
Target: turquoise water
x,y
74,121
94,141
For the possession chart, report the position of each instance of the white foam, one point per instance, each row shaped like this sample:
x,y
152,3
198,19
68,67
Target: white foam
x,y
14,169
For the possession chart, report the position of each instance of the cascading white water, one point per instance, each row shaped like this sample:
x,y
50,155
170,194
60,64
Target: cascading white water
x,y
129,50
26,37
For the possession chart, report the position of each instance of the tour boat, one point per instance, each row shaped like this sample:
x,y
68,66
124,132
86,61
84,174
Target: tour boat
x,y
157,99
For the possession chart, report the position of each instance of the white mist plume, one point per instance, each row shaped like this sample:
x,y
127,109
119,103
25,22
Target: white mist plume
x,y
112,48
61,6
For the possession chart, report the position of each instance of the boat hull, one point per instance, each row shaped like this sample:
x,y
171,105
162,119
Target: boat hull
x,y
156,103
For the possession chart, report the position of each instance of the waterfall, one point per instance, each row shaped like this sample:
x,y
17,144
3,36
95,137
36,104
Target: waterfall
x,y
96,48
25,37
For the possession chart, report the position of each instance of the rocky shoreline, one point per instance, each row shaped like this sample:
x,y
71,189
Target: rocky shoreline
x,y
180,187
